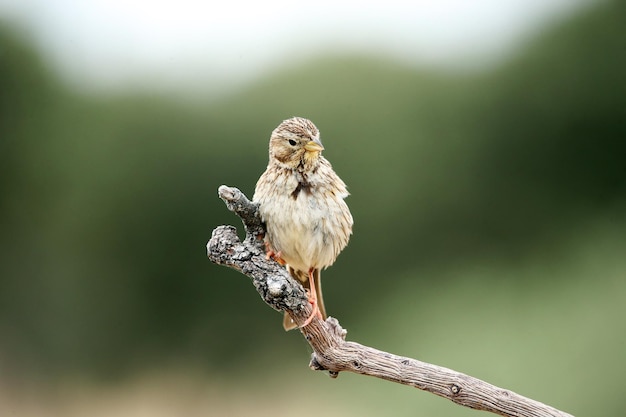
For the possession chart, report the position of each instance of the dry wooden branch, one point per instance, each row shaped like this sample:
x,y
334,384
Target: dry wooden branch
x,y
331,351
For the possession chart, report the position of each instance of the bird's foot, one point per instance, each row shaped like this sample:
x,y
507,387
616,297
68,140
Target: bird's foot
x,y
316,310
270,254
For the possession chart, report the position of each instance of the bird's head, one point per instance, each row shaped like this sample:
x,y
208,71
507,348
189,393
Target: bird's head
x,y
296,142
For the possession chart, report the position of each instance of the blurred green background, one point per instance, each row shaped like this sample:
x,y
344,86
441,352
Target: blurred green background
x,y
490,211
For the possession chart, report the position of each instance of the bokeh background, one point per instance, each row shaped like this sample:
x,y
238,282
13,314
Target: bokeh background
x,y
483,144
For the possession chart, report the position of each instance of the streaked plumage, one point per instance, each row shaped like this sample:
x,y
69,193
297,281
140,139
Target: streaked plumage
x,y
301,201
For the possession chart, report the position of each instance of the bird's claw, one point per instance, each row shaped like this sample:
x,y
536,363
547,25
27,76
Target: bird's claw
x,y
316,310
270,254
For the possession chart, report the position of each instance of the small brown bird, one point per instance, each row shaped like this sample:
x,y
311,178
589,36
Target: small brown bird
x,y
301,201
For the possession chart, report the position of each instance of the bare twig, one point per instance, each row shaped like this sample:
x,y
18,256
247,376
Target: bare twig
x,y
331,351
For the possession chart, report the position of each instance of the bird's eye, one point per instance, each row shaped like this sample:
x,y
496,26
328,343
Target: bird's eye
x,y
292,142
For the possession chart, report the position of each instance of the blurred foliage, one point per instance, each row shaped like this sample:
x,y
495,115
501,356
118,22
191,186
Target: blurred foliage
x,y
468,189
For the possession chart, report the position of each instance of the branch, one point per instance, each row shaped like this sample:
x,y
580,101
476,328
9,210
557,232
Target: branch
x,y
331,351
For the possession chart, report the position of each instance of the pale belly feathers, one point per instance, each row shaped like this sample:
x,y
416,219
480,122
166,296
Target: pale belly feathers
x,y
308,229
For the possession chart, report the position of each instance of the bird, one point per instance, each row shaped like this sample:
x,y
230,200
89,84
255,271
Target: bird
x,y
302,203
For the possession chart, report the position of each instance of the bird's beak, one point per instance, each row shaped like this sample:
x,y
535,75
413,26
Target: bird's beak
x,y
314,146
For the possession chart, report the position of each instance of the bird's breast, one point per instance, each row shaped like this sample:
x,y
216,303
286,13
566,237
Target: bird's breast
x,y
306,222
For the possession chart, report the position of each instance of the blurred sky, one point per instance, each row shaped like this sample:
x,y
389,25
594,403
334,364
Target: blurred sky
x,y
114,44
